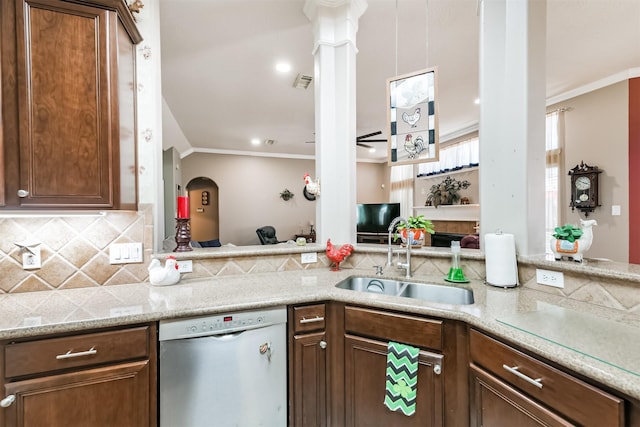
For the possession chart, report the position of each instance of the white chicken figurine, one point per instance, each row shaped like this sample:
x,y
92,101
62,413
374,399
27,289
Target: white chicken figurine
x,y
312,187
164,275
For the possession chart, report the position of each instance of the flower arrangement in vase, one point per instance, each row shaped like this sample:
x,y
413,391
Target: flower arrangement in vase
x,y
418,226
446,193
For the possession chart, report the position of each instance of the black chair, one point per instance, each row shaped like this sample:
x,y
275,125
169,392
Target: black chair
x,y
267,235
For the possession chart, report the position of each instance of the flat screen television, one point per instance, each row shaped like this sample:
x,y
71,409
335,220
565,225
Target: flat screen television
x,y
376,217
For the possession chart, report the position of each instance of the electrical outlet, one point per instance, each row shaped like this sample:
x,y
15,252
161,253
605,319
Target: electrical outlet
x,y
308,258
550,278
185,266
31,258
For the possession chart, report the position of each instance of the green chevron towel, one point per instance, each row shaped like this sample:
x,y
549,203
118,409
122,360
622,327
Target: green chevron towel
x,y
402,378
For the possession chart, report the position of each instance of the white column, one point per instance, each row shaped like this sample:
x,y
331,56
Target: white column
x,y
512,120
335,24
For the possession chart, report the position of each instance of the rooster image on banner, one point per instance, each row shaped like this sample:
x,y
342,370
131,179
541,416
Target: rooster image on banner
x,y
412,119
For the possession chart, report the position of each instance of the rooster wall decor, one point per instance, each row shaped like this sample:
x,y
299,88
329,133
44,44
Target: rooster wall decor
x,y
311,188
337,255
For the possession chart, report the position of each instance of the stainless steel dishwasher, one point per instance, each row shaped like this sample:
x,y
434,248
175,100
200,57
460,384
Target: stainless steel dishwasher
x,y
224,370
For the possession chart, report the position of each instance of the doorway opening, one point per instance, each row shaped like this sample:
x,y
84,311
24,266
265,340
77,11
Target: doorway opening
x,y
205,218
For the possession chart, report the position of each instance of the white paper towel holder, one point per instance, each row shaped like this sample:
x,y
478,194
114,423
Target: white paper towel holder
x,y
501,273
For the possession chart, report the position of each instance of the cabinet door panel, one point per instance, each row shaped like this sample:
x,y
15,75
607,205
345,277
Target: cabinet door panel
x,y
111,396
496,404
309,385
365,375
65,104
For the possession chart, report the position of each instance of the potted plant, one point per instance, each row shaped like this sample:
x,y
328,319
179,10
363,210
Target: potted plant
x,y
418,226
446,193
568,232
286,195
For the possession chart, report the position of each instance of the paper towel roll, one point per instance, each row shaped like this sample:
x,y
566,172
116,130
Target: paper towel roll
x,y
500,260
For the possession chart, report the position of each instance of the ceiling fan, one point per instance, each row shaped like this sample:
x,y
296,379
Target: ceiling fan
x,y
363,139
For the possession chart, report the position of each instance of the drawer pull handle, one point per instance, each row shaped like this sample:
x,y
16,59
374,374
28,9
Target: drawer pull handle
x,y
69,355
7,401
313,319
517,373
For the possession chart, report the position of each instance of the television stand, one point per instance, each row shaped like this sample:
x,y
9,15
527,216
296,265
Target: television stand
x,y
381,238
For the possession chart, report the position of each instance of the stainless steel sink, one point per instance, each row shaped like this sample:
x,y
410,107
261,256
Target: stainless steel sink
x,y
400,288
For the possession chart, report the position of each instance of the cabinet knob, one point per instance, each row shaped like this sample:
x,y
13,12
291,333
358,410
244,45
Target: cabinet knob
x,y
7,401
323,344
437,369
23,193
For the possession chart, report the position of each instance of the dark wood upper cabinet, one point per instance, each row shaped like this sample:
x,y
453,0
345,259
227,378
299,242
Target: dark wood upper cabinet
x,y
68,105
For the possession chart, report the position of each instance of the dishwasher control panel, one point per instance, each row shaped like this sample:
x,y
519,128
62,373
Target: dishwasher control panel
x,y
220,324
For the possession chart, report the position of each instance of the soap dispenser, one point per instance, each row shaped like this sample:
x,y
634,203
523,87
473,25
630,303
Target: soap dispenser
x,y
455,272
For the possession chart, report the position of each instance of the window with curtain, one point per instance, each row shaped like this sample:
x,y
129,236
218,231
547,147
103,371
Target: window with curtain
x,y
554,170
402,188
463,154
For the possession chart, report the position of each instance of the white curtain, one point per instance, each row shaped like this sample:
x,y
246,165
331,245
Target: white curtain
x,y
554,188
453,157
402,188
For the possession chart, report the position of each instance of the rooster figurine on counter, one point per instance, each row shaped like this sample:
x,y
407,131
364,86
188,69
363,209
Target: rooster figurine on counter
x,y
164,275
337,255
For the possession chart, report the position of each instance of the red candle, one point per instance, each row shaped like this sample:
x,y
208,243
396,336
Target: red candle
x,y
183,207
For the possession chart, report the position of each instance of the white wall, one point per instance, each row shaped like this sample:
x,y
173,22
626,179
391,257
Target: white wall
x,y
249,194
597,132
372,183
250,186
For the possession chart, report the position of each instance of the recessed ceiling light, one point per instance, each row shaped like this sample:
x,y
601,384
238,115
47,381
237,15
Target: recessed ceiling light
x,y
477,101
255,141
283,67
372,150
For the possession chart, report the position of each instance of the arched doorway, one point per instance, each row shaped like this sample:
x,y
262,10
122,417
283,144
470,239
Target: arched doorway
x,y
203,200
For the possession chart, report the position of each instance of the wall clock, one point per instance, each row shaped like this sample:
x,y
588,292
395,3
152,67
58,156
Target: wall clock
x,y
584,188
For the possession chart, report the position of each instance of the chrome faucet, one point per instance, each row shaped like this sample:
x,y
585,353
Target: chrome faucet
x,y
401,265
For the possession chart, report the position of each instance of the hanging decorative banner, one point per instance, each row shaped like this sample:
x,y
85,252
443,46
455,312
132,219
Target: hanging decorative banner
x,y
413,118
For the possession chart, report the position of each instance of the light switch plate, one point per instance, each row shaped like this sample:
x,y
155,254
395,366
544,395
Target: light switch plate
x,y
125,253
308,258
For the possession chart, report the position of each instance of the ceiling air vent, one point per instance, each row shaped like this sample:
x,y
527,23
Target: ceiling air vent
x,y
302,81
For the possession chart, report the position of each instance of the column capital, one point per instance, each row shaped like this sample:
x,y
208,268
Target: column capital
x,y
335,22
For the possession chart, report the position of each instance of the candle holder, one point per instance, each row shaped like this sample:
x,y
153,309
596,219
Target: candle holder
x,y
183,235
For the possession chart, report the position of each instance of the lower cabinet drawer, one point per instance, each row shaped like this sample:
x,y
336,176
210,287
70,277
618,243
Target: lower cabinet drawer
x,y
53,354
581,402
309,318
403,328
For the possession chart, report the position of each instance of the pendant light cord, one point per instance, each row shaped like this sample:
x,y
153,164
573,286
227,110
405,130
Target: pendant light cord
x,y
396,38
426,26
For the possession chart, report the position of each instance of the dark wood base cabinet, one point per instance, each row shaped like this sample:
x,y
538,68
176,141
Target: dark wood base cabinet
x,y
105,378
511,388
308,366
110,396
338,355
496,404
365,367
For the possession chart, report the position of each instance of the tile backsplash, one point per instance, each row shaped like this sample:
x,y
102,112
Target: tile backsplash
x,y
74,250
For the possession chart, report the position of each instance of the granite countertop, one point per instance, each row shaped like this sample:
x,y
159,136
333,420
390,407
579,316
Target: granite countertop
x,y
507,313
